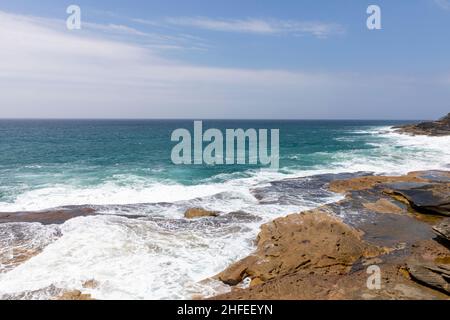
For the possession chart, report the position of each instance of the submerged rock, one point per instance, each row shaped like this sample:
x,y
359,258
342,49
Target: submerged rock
x,y
56,216
91,284
20,242
198,213
294,191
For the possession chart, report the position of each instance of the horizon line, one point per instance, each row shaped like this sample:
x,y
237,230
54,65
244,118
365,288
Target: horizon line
x,y
217,119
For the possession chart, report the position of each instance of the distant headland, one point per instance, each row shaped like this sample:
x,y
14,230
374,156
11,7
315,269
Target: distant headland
x,y
440,127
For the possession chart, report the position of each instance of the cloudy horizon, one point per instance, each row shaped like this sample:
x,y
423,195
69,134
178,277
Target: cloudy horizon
x,y
194,63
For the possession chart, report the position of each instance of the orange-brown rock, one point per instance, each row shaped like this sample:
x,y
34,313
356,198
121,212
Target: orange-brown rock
x,y
368,182
310,242
351,286
74,295
313,255
198,213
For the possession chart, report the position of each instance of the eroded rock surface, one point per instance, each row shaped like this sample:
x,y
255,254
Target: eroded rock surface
x,y
429,264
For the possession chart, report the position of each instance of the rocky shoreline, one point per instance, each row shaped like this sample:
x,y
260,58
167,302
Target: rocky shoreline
x,y
402,228
399,224
437,128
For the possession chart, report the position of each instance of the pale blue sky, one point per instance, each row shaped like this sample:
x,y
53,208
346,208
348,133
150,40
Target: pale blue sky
x,y
225,59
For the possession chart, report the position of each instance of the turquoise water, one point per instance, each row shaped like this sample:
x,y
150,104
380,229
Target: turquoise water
x,y
122,169
38,154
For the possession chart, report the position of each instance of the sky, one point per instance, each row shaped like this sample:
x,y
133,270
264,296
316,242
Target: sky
x,y
203,59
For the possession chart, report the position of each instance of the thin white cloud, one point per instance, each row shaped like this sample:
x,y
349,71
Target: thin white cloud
x,y
120,32
259,26
155,40
115,28
53,72
146,22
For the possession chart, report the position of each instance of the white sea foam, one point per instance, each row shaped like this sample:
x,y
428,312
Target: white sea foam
x,y
19,240
139,259
107,193
130,259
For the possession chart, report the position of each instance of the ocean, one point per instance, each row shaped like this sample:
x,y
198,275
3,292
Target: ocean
x,y
123,168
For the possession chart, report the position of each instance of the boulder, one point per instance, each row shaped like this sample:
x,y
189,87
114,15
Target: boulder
x,y
198,213
310,242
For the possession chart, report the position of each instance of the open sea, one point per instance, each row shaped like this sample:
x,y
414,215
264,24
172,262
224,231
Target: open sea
x,y
123,168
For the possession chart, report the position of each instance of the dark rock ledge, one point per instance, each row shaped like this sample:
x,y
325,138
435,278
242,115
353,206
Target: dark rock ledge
x,y
440,127
53,216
